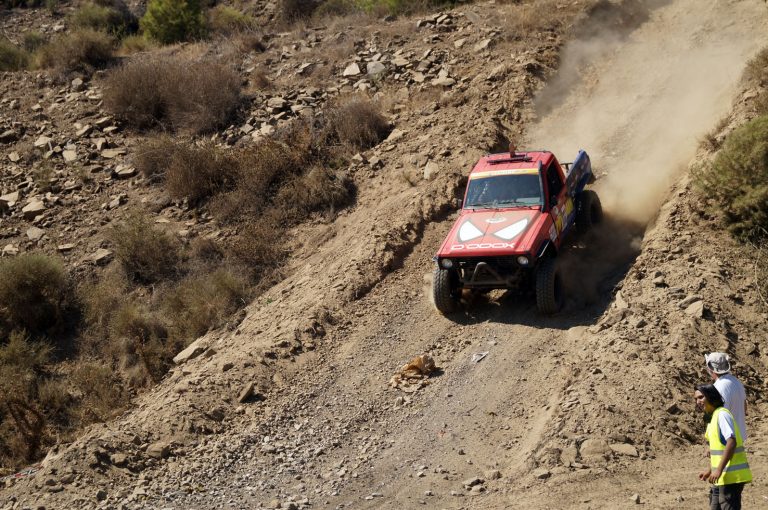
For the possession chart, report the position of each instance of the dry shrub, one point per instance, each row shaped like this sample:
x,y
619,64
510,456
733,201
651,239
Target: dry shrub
x,y
173,94
256,248
756,72
34,294
294,10
737,180
113,19
134,44
79,51
101,298
262,168
154,155
33,40
12,58
357,123
100,390
320,189
146,253
200,303
139,342
226,20
198,172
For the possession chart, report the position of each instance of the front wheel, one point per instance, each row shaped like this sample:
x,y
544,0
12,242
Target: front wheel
x,y
549,286
589,211
445,290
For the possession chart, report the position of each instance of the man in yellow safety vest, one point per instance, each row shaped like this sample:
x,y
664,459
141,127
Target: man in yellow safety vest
x,y
728,467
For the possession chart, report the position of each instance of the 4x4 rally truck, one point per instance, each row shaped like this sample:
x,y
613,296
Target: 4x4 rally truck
x,y
518,209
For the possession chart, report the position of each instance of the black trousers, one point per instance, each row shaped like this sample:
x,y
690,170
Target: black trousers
x,y
726,497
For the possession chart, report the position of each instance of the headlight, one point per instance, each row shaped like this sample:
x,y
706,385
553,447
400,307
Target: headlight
x,y
522,260
446,263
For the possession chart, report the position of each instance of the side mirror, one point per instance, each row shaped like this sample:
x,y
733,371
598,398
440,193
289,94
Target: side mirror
x,y
459,203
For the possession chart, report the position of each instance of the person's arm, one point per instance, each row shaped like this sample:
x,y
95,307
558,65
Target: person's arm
x,y
704,475
730,446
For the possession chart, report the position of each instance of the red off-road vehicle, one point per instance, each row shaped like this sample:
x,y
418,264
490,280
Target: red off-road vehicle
x,y
517,210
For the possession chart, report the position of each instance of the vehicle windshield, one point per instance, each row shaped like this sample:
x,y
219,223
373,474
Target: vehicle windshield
x,y
496,191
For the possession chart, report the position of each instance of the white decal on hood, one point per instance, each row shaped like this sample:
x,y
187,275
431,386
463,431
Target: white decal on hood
x,y
512,231
468,231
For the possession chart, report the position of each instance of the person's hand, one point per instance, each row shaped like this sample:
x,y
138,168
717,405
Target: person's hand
x,y
715,475
704,475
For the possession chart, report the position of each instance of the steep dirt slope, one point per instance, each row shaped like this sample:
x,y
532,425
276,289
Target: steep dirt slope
x,y
580,410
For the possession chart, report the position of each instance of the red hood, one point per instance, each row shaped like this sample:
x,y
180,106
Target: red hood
x,y
491,232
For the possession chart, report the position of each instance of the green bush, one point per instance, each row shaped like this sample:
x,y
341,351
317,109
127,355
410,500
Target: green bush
x,y
173,93
12,58
33,294
737,179
79,51
146,253
171,21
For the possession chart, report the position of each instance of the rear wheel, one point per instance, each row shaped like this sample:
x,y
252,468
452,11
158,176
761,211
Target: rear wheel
x,y
549,286
445,290
589,211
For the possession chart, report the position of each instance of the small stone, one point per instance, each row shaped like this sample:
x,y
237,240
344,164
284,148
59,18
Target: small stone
x,y
69,156
10,250
541,473
625,449
35,234
102,256
695,309
112,153
9,136
101,495
77,85
351,70
14,157
118,459
375,69
471,482
430,170
124,172
10,199
395,135
34,208
43,141
277,103
458,43
83,131
493,474
635,498
443,82
65,247
483,45
159,450
246,392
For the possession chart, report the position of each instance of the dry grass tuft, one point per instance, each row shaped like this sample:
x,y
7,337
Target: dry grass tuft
x,y
80,51
34,294
173,94
146,253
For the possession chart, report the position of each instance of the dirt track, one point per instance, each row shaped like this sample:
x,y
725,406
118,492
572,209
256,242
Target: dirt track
x,y
331,430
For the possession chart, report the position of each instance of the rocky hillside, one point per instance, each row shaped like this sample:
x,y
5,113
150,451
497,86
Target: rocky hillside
x,y
291,405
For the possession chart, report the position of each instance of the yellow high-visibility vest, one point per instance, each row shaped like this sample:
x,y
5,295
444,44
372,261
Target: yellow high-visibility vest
x,y
737,469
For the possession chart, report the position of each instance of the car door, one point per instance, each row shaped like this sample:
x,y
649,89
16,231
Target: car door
x,y
559,203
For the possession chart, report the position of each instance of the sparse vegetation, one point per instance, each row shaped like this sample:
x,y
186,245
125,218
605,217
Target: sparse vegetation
x,y
171,21
34,294
33,40
12,58
80,51
357,123
198,172
199,303
226,20
100,17
146,253
172,94
756,74
737,179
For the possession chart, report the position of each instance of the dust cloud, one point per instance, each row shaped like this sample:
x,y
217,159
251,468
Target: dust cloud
x,y
638,95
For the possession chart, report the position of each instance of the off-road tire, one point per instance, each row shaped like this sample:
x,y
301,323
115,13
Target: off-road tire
x,y
589,211
445,291
549,286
